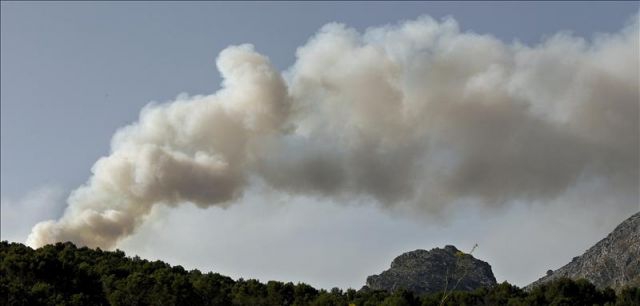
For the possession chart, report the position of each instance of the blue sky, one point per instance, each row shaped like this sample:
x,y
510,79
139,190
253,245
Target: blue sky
x,y
73,73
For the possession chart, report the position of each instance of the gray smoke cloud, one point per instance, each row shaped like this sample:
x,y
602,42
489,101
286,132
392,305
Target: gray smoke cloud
x,y
417,115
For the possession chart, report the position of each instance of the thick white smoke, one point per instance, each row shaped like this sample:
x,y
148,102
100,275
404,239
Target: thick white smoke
x,y
194,150
414,115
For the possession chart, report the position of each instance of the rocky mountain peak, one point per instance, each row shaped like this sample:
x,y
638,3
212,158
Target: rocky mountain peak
x,y
423,271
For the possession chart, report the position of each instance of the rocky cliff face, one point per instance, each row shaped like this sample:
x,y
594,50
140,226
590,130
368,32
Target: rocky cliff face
x,y
424,271
613,262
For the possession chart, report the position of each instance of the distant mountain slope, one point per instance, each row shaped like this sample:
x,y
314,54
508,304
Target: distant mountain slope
x,y
422,271
612,262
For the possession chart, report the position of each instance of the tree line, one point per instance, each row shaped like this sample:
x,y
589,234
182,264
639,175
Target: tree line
x,y
63,274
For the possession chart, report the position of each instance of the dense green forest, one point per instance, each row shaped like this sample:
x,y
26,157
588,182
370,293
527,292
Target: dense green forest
x,y
63,274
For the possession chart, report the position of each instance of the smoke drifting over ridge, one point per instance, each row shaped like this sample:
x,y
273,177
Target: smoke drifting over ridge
x,y
413,115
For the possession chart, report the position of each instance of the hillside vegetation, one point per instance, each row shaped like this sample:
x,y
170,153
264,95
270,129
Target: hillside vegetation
x,y
63,274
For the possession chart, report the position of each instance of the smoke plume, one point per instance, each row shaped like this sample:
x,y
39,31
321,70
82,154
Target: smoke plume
x,y
417,115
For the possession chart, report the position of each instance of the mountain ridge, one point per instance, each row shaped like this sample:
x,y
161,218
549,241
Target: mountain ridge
x,y
63,274
614,261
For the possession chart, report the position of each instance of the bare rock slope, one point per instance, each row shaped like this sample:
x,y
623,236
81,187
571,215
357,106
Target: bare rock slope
x,y
612,262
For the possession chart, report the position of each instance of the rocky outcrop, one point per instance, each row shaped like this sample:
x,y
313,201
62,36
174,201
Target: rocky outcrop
x,y
424,271
612,262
